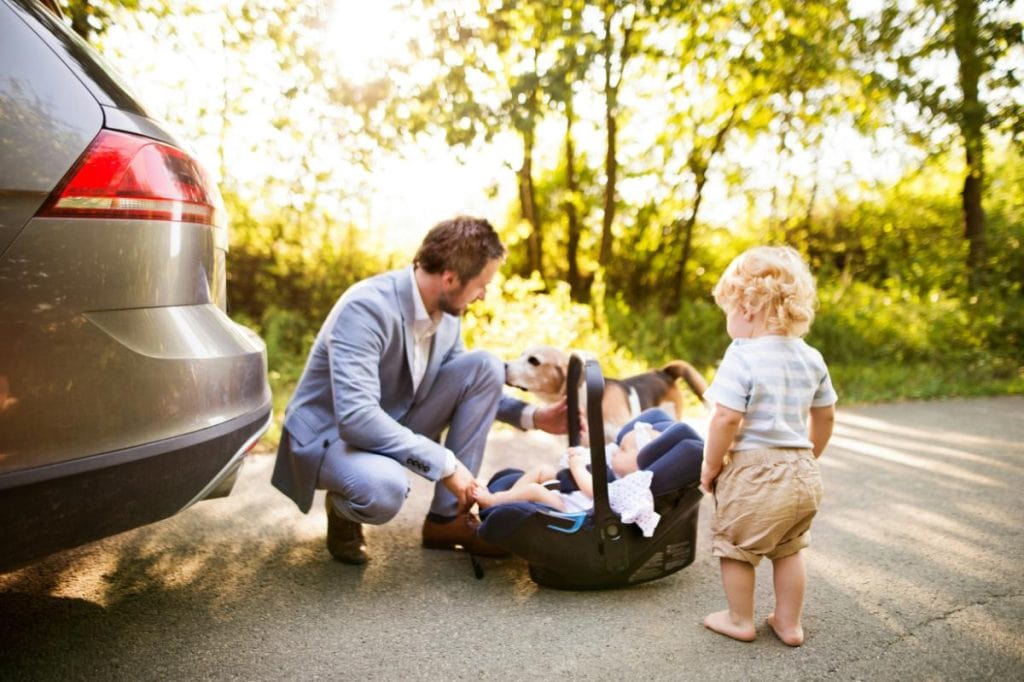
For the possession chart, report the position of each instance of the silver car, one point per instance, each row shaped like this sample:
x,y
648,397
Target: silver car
x,y
126,392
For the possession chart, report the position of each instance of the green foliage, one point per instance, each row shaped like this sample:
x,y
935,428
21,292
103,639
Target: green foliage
x,y
886,382
695,334
523,312
859,324
907,235
289,261
888,342
89,17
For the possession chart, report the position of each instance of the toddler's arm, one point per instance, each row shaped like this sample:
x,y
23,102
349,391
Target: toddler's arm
x,y
725,423
819,429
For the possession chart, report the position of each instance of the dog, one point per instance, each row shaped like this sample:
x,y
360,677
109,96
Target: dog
x,y
543,371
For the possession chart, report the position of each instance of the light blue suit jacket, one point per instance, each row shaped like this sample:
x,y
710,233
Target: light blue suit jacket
x,y
357,386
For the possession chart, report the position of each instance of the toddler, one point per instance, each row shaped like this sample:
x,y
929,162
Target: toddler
x,y
774,406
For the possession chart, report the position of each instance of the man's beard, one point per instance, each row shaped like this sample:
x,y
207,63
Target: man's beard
x,y
446,305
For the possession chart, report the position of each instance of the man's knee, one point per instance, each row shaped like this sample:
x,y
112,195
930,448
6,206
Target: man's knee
x,y
379,503
488,370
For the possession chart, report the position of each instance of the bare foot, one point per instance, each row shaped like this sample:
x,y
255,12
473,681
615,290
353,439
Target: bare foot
x,y
484,497
793,636
722,623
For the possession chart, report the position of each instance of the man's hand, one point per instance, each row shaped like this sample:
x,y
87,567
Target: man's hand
x,y
461,483
554,418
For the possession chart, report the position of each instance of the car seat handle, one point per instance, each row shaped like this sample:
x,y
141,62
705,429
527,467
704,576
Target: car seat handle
x,y
581,368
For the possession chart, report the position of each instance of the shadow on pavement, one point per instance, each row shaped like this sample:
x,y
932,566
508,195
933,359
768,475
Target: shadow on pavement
x,y
915,571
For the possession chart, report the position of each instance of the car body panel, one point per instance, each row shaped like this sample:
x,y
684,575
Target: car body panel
x,y
128,122
178,369
47,119
106,86
126,392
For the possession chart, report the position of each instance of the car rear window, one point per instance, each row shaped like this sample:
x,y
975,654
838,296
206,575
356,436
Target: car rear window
x,y
101,79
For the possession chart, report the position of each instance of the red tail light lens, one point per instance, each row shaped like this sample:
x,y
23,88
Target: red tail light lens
x,y
128,176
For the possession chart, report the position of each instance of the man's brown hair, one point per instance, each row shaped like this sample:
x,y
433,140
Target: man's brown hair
x,y
463,244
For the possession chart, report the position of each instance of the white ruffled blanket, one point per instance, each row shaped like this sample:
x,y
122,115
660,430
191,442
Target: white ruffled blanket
x,y
630,497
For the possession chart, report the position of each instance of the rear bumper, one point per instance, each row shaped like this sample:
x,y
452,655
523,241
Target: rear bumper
x,y
59,506
107,381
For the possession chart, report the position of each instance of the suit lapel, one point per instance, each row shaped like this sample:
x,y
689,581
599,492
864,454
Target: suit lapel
x,y
444,339
403,292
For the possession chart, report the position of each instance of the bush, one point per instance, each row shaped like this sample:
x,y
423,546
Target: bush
x,y
520,314
859,324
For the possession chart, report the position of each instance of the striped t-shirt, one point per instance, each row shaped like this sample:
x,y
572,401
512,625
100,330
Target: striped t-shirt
x,y
774,381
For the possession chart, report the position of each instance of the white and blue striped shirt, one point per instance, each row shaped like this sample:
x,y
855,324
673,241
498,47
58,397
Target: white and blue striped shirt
x,y
773,381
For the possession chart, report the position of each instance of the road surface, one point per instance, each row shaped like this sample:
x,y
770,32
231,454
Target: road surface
x,y
916,571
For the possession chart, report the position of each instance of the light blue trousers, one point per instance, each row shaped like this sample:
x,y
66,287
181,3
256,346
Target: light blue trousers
x,y
370,488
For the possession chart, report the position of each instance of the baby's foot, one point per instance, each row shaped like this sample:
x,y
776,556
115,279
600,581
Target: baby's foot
x,y
484,497
793,636
722,623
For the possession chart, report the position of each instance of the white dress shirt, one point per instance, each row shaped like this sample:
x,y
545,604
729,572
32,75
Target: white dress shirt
x,y
423,328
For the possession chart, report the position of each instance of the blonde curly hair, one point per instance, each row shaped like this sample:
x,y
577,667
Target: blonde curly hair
x,y
771,278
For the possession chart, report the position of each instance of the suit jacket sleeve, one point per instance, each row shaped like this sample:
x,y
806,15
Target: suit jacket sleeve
x,y
360,338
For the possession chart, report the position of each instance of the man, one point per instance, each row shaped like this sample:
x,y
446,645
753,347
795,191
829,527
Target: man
x,y
387,374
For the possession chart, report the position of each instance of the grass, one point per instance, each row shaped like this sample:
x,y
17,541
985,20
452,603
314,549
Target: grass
x,y
922,381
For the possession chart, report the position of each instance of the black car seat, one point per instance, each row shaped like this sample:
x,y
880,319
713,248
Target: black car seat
x,y
595,550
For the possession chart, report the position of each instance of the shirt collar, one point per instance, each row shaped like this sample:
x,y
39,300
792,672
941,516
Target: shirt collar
x,y
422,322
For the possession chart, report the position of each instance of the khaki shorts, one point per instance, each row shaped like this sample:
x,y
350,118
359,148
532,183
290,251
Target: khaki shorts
x,y
764,503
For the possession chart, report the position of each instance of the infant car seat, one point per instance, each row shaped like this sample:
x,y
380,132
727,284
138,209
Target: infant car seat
x,y
594,550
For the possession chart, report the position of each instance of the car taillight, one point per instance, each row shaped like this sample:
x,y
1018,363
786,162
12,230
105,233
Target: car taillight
x,y
128,176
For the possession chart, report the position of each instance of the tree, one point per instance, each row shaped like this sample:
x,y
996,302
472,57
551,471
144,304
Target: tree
x,y
92,18
738,71
491,67
980,37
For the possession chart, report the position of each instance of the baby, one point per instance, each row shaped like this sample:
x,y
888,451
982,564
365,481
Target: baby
x,y
649,445
532,486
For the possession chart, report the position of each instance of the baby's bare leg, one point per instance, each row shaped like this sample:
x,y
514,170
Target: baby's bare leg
x,y
527,491
538,474
527,488
790,578
737,621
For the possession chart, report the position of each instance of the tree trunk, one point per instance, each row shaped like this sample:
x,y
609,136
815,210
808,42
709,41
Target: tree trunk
x,y
972,121
699,163
528,206
611,172
572,216
678,290
611,136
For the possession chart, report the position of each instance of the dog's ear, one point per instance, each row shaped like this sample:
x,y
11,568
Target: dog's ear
x,y
561,378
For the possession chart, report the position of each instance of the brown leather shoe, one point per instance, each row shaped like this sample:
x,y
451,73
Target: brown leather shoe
x,y
461,531
345,539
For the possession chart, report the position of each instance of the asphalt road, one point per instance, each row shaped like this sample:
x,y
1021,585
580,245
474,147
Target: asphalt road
x,y
916,571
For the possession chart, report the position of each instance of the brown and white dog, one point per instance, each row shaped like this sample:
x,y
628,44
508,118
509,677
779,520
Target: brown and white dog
x,y
543,370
